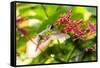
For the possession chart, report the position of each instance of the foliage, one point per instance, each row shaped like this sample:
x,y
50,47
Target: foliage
x,y
34,18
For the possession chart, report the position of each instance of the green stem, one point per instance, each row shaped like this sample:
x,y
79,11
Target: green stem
x,y
44,9
70,54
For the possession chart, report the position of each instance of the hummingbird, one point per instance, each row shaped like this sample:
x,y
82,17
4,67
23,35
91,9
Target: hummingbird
x,y
42,36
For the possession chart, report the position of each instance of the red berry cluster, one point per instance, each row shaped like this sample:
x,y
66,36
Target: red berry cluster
x,y
75,26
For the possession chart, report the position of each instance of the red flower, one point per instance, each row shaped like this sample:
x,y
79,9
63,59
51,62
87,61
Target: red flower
x,y
92,27
76,22
74,26
62,20
22,31
88,49
68,29
87,30
73,23
65,18
20,20
78,31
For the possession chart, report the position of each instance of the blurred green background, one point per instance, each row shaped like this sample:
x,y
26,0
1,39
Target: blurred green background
x,y
39,16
